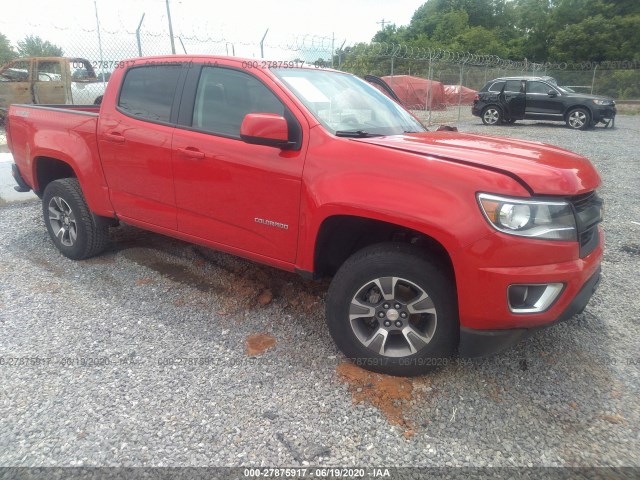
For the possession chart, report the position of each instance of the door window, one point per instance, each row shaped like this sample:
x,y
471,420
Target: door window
x,y
496,87
223,98
538,87
513,86
147,92
16,72
49,72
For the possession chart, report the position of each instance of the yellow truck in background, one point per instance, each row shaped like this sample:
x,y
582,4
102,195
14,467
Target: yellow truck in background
x,y
50,80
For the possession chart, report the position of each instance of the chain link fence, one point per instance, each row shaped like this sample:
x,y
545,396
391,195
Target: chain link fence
x,y
443,82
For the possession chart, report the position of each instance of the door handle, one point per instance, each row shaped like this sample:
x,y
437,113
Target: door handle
x,y
115,137
191,152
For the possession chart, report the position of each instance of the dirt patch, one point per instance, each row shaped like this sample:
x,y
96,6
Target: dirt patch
x,y
389,394
265,298
100,260
617,419
175,272
238,283
258,343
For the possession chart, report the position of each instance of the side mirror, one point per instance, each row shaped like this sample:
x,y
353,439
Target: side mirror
x,y
266,129
552,93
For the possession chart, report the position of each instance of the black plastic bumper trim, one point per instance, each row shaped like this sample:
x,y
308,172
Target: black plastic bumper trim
x,y
481,343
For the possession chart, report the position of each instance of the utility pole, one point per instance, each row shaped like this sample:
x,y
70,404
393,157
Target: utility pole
x,y
382,22
173,45
95,6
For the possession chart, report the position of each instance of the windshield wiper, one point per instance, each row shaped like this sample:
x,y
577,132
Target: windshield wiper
x,y
356,134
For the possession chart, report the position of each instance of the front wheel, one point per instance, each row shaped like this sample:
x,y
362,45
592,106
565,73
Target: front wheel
x,y
74,230
578,119
390,309
492,115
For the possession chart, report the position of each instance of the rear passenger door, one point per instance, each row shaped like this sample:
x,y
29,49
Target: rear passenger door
x,y
513,99
15,83
227,191
135,144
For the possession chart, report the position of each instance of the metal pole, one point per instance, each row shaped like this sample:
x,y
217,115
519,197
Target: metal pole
x,y
593,80
173,45
333,46
460,93
95,5
340,54
429,92
392,57
262,43
185,50
138,36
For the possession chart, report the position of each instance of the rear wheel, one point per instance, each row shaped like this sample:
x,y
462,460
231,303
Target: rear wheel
x,y
578,119
74,230
492,115
392,310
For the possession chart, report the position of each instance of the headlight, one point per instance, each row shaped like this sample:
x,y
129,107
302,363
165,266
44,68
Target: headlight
x,y
603,102
551,220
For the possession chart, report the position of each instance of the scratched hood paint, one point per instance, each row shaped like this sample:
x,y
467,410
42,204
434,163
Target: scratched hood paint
x,y
546,169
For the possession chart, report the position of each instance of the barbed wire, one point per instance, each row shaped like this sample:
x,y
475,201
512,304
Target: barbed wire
x,y
325,47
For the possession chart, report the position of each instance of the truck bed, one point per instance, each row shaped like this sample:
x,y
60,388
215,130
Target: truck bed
x,y
37,133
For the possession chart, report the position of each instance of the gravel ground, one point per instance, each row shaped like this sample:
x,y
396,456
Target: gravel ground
x,y
142,358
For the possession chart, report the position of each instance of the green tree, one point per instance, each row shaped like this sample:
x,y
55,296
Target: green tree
x,y
482,41
6,50
34,46
598,39
451,24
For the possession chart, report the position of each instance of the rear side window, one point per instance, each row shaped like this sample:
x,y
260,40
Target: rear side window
x,y
16,72
496,87
147,92
513,86
225,96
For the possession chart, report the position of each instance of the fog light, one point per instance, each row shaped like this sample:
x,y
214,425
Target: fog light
x,y
532,298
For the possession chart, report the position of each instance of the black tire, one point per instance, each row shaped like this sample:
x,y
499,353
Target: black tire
x,y
98,101
492,115
77,233
578,119
393,353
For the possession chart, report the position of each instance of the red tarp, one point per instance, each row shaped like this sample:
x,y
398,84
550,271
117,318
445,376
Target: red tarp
x,y
452,95
414,92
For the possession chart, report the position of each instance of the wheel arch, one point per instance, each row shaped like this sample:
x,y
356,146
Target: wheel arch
x,y
341,235
47,169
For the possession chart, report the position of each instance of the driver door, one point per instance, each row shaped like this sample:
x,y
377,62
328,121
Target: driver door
x,y
228,191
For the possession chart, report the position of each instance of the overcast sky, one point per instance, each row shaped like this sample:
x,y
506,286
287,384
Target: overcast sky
x,y
238,22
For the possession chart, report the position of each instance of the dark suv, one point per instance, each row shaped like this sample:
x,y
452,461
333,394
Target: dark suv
x,y
505,100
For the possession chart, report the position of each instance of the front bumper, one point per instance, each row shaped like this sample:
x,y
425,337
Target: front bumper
x,y
604,113
479,343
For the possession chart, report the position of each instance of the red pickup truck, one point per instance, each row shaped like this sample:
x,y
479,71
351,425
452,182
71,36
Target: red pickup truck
x,y
437,242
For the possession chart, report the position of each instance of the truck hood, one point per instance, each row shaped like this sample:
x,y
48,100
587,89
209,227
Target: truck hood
x,y
542,169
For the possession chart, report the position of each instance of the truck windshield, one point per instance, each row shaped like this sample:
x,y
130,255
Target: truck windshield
x,y
346,105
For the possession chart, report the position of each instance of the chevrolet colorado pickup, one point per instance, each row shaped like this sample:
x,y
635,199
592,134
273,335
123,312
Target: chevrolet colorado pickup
x,y
437,242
